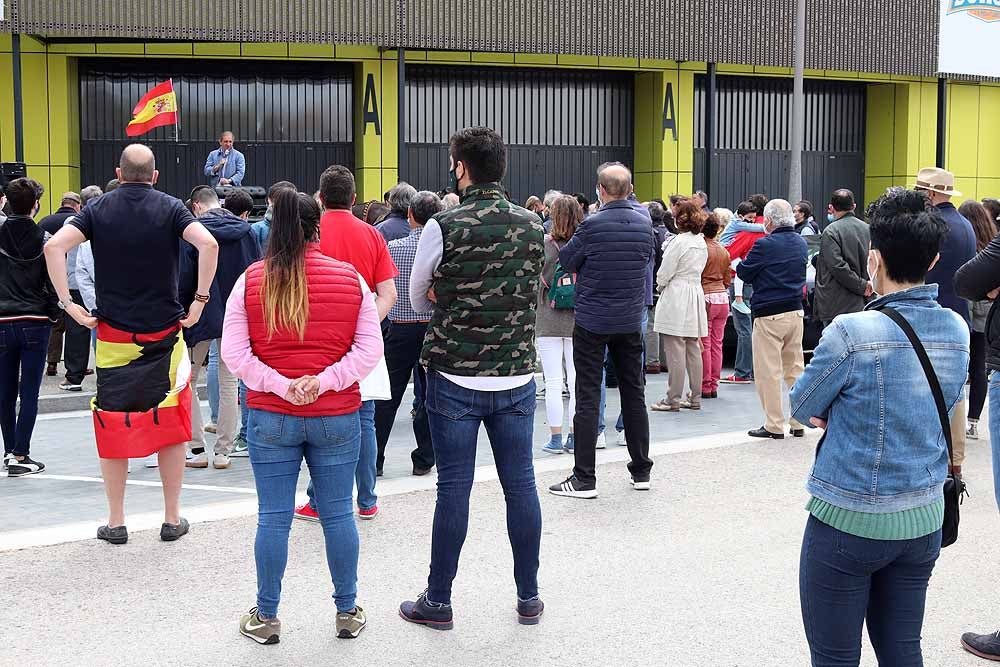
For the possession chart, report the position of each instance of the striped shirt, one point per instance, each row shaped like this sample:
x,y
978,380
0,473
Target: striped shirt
x,y
402,252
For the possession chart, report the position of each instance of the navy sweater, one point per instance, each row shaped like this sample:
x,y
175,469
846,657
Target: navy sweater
x,y
611,253
776,267
958,247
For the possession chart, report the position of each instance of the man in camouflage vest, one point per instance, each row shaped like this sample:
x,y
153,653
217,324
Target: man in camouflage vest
x,y
478,267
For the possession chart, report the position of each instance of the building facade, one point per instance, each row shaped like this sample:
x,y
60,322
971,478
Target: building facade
x,y
569,85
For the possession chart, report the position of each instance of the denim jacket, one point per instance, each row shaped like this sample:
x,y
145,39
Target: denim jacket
x,y
884,450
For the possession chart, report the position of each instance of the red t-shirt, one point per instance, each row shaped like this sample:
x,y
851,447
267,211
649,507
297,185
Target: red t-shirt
x,y
741,244
344,237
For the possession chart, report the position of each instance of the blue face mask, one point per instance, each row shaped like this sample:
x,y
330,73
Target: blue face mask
x,y
597,191
829,217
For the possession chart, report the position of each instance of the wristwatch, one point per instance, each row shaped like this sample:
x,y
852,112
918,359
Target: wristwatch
x,y
62,306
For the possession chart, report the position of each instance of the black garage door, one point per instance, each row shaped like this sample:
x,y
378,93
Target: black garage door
x,y
753,131
558,125
291,121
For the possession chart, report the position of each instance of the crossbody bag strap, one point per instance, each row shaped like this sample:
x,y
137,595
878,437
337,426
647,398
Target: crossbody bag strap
x,y
932,378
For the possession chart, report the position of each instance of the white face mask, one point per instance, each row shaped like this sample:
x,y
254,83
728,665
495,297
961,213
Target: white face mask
x,y
873,267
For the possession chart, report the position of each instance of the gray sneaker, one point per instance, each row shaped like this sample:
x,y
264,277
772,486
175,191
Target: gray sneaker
x,y
259,630
116,535
350,624
240,447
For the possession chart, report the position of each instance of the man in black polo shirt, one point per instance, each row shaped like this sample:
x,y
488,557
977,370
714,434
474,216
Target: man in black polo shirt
x,y
134,233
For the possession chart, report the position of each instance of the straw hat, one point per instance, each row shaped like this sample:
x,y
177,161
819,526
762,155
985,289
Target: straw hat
x,y
937,180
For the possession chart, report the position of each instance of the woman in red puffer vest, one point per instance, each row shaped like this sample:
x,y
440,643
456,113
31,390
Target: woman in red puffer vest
x,y
301,330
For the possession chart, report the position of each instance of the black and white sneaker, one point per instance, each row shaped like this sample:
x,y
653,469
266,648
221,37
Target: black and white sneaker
x,y
23,467
66,385
574,488
7,458
639,484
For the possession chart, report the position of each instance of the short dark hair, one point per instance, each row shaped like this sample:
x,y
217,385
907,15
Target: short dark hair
x,y
425,205
842,200
22,194
482,151
806,207
272,191
336,187
239,202
744,208
112,185
711,228
204,194
677,199
758,202
656,212
660,202
582,200
907,232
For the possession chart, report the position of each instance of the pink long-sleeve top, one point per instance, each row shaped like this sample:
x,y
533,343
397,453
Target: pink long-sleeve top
x,y
359,361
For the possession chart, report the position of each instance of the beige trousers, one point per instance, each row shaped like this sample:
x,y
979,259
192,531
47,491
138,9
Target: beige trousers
x,y
958,429
777,358
229,407
683,354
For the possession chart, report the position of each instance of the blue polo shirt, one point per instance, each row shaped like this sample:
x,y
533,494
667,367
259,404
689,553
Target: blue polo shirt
x,y
135,234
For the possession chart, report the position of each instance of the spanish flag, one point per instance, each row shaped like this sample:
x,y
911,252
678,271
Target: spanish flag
x,y
157,108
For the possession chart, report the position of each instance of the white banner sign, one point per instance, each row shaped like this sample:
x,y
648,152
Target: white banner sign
x,y
970,37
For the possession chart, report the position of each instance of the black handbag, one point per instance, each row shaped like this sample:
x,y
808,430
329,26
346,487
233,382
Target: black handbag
x,y
954,489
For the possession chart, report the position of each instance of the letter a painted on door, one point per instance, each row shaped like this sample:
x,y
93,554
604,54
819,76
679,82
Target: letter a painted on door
x,y
371,106
669,113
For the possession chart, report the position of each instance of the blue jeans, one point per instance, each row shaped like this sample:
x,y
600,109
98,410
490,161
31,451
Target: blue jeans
x,y
212,380
995,430
330,446
845,581
244,410
744,345
23,349
365,474
620,424
455,415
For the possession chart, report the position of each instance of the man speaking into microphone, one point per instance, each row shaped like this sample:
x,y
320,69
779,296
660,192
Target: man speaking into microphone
x,y
226,165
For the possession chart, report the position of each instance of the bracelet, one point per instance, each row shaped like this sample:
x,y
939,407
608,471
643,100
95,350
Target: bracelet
x,y
203,298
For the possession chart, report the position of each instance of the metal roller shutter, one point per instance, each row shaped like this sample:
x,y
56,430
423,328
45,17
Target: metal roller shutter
x,y
558,125
291,120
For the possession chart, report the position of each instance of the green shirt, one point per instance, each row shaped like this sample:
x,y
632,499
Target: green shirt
x,y
905,525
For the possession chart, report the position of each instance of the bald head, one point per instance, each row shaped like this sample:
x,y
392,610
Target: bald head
x,y
615,180
137,165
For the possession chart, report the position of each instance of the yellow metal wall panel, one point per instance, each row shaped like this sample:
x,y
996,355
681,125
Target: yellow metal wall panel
x,y
989,132
535,59
228,49
121,49
6,110
684,106
62,179
310,51
356,52
264,49
36,108
493,58
388,95
577,61
879,127
180,49
927,149
963,130
64,110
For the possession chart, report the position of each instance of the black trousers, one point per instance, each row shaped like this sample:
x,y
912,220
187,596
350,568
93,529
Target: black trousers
x,y
77,345
977,374
403,343
626,351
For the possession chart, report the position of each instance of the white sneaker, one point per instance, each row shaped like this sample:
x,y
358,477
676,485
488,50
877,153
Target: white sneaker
x,y
152,461
220,462
639,486
602,441
973,431
620,439
197,461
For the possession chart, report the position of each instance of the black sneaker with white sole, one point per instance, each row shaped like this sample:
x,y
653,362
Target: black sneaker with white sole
x,y
23,467
639,484
574,488
7,458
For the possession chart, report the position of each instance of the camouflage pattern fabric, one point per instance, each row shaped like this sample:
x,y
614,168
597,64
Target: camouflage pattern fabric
x,y
486,287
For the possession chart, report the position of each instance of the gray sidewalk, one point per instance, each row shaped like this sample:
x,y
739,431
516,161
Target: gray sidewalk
x,y
701,571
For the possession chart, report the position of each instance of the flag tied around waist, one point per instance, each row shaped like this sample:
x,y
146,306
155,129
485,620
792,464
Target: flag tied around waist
x,y
156,109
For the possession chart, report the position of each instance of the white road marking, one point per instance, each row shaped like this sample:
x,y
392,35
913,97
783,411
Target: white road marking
x,y
85,530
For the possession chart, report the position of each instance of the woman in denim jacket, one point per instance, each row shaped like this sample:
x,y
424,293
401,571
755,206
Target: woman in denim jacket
x,y
877,505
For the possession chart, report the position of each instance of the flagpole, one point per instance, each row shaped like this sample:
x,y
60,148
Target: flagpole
x,y
177,111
